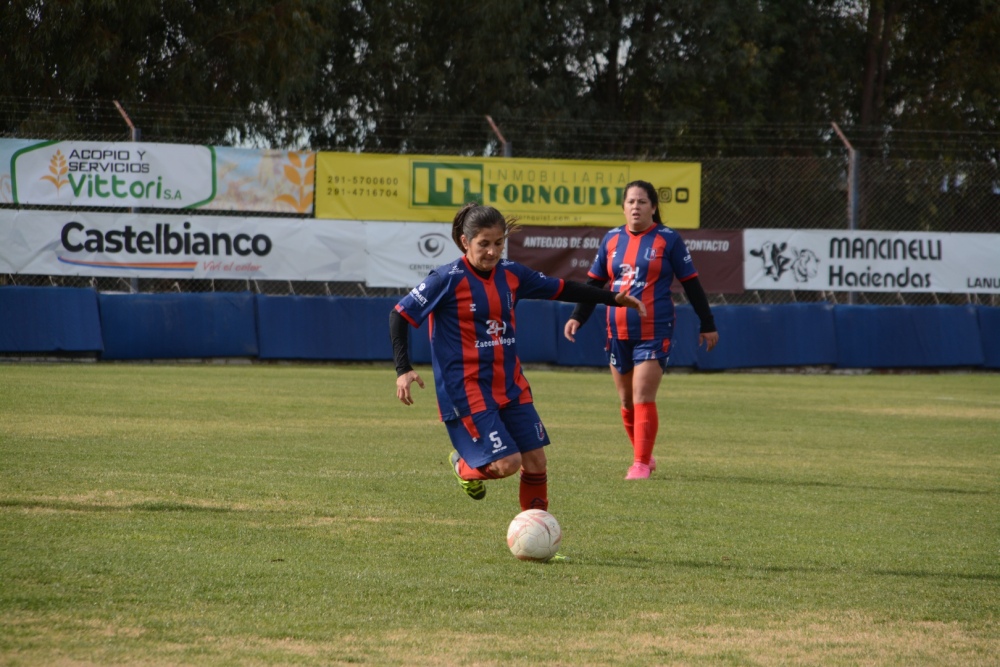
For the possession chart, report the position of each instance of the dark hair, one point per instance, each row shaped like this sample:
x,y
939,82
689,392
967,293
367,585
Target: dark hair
x,y
654,199
474,218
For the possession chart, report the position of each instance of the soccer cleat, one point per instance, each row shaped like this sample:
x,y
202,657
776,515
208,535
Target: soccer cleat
x,y
652,463
475,489
638,471
558,558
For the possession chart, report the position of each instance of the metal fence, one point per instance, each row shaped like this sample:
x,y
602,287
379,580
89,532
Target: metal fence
x,y
879,193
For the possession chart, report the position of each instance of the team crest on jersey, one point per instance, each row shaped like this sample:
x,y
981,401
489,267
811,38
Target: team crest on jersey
x,y
650,254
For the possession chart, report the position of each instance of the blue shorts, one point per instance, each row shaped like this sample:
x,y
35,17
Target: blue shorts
x,y
494,434
623,355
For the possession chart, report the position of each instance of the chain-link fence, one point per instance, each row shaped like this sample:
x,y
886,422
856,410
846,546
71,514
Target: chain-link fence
x,y
891,194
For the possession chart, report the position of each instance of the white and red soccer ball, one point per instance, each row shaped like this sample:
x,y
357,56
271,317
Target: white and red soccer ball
x,y
534,535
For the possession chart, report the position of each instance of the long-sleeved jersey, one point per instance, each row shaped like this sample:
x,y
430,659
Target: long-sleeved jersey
x,y
643,265
473,332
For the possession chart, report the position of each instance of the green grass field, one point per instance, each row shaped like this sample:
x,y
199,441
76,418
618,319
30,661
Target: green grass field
x,y
299,515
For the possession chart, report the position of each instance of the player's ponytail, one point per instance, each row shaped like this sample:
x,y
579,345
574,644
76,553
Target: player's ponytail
x,y
474,218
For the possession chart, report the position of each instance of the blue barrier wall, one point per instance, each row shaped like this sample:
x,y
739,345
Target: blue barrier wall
x,y
907,336
305,327
178,326
173,326
989,335
49,319
797,334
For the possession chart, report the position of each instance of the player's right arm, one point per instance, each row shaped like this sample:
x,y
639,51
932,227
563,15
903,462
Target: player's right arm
x,y
399,330
582,312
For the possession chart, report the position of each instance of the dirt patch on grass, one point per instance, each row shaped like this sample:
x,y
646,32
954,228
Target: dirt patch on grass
x,y
841,639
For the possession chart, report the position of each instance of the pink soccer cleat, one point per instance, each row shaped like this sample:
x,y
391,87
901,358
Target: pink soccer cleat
x,y
652,463
638,471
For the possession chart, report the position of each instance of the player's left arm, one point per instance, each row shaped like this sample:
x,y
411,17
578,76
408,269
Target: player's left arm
x,y
708,334
684,269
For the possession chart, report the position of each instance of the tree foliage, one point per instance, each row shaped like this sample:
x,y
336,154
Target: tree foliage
x,y
602,77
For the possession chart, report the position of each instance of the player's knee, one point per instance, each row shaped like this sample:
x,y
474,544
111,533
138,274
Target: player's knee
x,y
508,465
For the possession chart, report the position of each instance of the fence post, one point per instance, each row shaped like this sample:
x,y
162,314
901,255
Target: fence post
x,y
852,188
507,149
134,134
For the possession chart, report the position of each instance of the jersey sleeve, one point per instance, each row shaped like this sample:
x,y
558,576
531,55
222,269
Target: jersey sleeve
x,y
680,260
535,284
420,301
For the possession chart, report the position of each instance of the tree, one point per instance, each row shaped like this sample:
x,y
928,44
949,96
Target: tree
x,y
602,78
172,57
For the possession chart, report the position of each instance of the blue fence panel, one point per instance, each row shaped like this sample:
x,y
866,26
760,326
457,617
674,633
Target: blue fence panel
x,y
49,319
989,335
798,334
171,326
341,328
588,350
178,326
684,350
907,336
537,330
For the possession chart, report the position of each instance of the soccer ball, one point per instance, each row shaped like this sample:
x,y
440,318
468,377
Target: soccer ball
x,y
534,535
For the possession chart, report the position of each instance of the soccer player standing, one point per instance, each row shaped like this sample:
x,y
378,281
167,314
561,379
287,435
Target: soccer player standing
x,y
641,258
483,397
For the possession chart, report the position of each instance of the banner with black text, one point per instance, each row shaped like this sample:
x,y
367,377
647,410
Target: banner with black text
x,y
174,246
839,261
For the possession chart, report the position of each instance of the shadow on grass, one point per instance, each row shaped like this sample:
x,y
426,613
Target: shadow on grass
x,y
801,569
733,567
144,506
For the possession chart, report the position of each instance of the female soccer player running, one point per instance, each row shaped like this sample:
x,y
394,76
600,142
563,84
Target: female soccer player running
x,y
641,258
483,397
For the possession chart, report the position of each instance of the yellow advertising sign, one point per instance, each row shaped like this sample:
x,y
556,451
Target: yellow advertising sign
x,y
429,188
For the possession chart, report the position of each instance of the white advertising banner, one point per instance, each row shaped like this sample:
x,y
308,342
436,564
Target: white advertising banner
x,y
401,254
138,175
841,261
174,246
91,173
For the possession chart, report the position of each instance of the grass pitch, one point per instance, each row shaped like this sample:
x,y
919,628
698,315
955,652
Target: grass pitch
x,y
299,515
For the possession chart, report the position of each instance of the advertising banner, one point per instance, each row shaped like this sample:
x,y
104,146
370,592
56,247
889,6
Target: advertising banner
x,y
829,260
270,181
85,173
175,246
568,252
425,188
150,175
401,254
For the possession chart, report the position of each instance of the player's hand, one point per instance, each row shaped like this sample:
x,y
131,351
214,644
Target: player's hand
x,y
710,340
629,301
572,326
403,383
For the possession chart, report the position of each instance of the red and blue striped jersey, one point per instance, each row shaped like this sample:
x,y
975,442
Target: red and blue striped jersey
x,y
643,265
472,331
